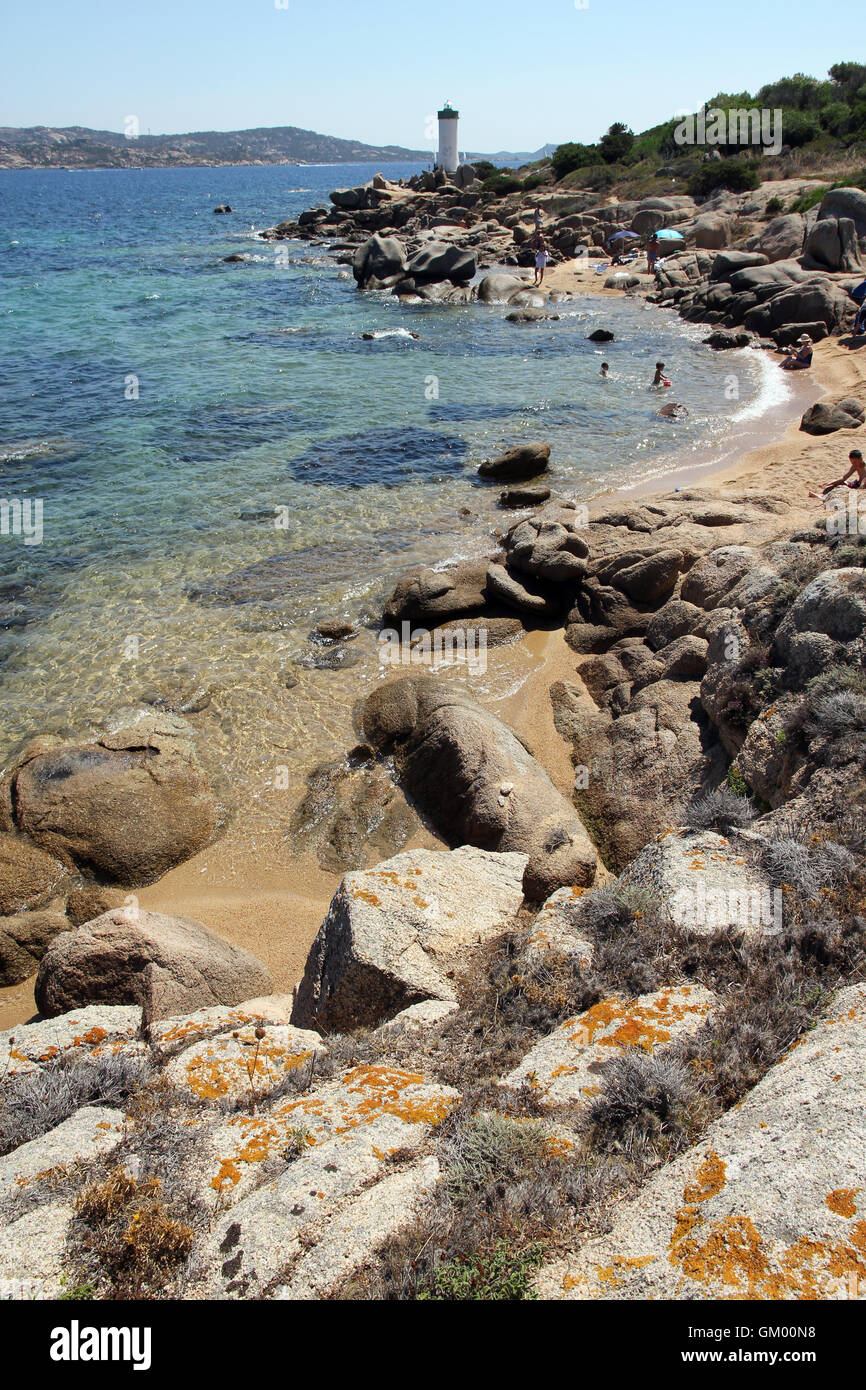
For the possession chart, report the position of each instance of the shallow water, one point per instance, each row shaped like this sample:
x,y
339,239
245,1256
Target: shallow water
x,y
181,419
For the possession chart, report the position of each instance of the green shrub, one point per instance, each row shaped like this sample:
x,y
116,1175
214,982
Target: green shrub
x,y
501,1276
738,176
774,207
501,184
566,158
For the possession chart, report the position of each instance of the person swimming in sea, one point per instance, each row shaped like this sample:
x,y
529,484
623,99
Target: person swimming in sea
x,y
605,371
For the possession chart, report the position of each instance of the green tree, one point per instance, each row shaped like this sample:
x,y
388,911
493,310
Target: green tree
x,y
616,143
568,157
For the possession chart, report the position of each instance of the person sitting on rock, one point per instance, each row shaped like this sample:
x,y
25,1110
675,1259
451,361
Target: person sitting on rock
x,y
537,216
660,379
799,358
857,469
541,259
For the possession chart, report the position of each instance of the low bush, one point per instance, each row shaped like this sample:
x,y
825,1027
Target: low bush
x,y
32,1103
720,809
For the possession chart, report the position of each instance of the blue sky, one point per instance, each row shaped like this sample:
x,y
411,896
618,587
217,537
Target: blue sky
x,y
521,73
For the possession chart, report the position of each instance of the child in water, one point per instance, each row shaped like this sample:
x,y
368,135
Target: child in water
x,y
605,369
660,379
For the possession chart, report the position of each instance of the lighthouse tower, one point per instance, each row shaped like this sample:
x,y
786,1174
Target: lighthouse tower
x,y
448,158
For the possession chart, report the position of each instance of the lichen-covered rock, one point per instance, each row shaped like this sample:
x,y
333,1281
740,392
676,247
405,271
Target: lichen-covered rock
x,y
769,1205
567,1066
169,964
87,1134
89,1033
248,1060
558,929
389,1107
171,1035
401,932
704,883
33,1254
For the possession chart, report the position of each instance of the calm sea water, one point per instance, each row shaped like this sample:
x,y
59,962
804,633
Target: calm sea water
x,y
168,409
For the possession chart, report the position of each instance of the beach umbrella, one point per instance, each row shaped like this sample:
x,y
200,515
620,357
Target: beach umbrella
x,y
621,236
668,234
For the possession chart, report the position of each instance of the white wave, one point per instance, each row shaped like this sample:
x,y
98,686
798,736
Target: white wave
x,y
773,389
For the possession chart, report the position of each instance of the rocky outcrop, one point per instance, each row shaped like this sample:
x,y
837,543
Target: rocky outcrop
x,y
476,781
567,1067
28,876
127,806
518,464
837,240
705,884
767,1206
825,417
166,964
402,932
379,263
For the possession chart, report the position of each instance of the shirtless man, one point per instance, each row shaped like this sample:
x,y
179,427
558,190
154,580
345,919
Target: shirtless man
x,y
857,469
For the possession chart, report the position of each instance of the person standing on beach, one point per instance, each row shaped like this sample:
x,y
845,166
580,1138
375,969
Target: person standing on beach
x,y
541,259
653,248
537,216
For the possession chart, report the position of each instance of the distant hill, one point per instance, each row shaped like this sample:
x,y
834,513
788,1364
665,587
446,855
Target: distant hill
x,y
77,147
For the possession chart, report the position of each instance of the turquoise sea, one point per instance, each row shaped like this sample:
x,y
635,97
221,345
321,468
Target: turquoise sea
x,y
180,419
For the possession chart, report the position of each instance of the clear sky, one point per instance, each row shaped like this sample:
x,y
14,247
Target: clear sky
x,y
522,72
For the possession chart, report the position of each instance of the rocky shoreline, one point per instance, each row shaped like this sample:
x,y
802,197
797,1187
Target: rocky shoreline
x,y
648,996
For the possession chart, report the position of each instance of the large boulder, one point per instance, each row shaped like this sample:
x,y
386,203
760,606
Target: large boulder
x,y
126,807
431,596
28,876
441,260
704,884
498,288
379,262
522,462
766,1206
712,231
635,772
402,932
837,240
713,577
727,262
825,417
477,782
833,606
169,965
783,238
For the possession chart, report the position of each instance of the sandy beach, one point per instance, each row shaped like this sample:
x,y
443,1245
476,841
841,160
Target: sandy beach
x,y
275,910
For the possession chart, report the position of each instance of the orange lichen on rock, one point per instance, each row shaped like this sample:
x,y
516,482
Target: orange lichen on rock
x,y
708,1180
841,1201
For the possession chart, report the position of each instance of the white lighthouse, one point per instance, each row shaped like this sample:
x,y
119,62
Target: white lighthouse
x,y
448,158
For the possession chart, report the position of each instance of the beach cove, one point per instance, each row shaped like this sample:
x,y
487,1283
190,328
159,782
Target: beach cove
x,y
265,735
